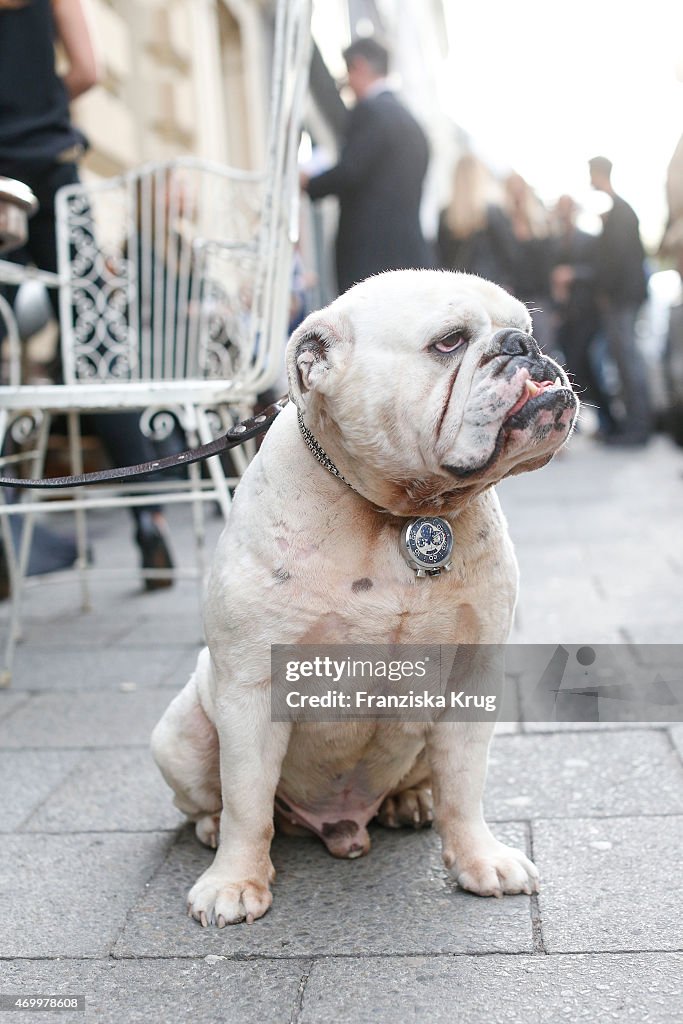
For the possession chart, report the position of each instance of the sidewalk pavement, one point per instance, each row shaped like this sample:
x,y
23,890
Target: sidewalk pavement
x,y
95,862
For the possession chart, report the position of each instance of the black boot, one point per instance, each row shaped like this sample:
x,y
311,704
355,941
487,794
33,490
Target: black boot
x,y
153,550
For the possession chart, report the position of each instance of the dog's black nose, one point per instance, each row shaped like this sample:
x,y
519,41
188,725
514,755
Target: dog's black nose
x,y
516,343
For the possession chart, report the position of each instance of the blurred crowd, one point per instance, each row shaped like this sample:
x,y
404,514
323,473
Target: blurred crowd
x,y
584,288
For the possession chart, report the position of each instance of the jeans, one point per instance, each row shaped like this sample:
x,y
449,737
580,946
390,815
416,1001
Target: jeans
x,y
620,323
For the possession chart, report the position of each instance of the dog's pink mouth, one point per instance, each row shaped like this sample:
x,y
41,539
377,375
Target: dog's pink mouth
x,y
532,389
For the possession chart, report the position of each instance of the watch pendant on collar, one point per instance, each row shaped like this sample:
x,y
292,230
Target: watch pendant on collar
x,y
427,545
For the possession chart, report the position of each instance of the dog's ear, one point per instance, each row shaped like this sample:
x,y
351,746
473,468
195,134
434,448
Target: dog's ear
x,y
317,354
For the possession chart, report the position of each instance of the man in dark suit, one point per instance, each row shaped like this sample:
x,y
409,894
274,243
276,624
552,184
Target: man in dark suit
x,y
572,281
621,288
379,176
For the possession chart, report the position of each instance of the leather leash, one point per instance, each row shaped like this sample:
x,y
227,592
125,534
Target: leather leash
x,y
241,432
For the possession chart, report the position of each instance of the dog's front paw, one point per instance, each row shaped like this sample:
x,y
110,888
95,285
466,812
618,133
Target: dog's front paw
x,y
412,807
492,869
217,899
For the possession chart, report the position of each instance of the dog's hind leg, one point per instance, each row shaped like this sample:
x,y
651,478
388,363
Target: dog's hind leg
x,y
410,803
185,747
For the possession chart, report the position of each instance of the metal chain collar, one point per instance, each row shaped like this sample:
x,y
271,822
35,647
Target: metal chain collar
x,y
426,542
319,452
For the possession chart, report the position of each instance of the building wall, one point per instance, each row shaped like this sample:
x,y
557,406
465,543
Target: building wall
x,y
179,77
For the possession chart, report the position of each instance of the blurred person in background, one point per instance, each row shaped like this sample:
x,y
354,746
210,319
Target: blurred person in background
x,y
621,288
672,249
379,176
474,234
672,242
572,283
530,272
40,146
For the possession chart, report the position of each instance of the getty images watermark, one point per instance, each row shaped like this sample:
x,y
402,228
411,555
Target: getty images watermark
x,y
515,682
374,672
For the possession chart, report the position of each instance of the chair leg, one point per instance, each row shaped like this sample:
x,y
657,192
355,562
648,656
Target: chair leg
x,y
7,543
214,464
191,428
244,453
17,563
76,458
199,528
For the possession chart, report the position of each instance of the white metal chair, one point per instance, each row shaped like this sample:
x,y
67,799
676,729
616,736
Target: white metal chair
x,y
174,291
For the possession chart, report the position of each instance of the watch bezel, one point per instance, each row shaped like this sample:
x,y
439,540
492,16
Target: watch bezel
x,y
412,559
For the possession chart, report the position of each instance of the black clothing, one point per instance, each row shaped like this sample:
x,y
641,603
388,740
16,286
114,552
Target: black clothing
x,y
531,271
577,250
35,126
578,320
621,287
488,252
619,258
35,133
378,180
41,245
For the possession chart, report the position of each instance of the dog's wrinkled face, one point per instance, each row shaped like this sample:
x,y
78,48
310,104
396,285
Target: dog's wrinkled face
x,y
426,387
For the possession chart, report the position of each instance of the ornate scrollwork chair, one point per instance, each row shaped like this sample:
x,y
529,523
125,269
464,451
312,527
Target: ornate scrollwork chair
x,y
174,283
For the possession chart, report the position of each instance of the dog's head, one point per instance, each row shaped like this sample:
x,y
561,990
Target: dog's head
x,y
426,387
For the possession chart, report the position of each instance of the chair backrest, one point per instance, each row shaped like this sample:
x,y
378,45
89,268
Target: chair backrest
x,y
143,295
182,270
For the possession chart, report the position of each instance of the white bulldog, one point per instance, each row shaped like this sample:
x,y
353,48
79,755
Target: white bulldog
x,y
424,389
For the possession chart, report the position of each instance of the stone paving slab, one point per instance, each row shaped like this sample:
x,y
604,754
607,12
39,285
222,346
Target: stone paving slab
x,y
66,626
411,946
108,791
58,595
610,885
10,701
174,629
654,596
52,613
622,565
67,896
558,683
612,663
627,568
605,520
398,899
85,719
151,992
536,626
496,990
645,631
579,775
183,666
27,777
533,728
579,616
666,659
47,669
677,738
593,491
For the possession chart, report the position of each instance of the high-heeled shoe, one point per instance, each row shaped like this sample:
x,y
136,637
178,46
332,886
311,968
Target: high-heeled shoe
x,y
154,551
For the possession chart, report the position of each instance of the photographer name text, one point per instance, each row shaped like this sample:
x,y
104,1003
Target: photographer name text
x,y
412,700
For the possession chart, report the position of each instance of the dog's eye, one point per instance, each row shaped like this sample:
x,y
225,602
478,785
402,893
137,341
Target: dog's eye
x,y
450,343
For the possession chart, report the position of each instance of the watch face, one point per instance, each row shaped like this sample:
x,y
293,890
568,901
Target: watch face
x,y
429,542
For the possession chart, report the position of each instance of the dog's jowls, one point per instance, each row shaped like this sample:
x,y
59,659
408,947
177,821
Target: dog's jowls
x,y
425,388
